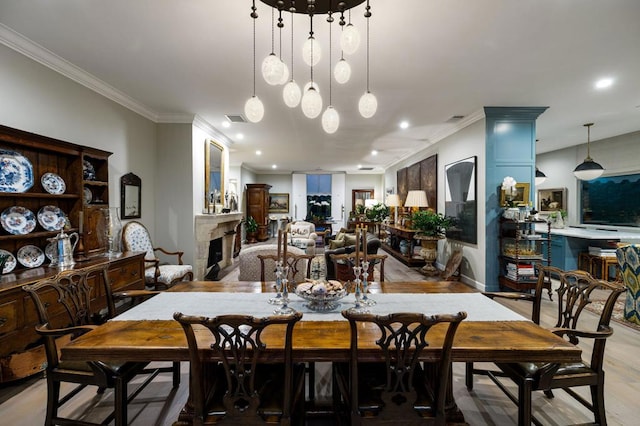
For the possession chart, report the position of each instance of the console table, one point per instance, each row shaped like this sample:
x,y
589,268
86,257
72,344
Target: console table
x,y
396,234
21,352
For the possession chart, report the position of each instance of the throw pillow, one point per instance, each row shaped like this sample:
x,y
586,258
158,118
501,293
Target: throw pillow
x,y
339,236
349,240
333,244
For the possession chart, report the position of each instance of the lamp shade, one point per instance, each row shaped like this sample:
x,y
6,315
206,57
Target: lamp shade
x,y
416,199
540,177
588,170
393,200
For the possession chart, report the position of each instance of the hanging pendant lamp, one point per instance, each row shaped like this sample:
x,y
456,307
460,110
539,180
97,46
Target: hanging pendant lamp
x,y
272,66
253,108
291,93
330,117
350,38
368,104
589,169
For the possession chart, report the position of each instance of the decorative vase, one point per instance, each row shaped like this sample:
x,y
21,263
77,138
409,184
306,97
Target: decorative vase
x,y
404,247
429,252
112,231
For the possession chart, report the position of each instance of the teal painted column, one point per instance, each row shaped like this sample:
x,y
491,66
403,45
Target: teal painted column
x,y
510,151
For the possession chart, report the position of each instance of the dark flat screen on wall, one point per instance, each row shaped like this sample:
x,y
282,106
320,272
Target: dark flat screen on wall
x,y
611,200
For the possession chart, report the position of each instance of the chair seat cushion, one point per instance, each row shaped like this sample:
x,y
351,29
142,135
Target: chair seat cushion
x,y
536,371
168,273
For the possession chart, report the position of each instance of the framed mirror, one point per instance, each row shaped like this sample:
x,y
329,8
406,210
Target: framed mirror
x,y
213,175
130,197
358,197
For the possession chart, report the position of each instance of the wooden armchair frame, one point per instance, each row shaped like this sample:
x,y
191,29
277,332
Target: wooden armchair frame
x,y
343,265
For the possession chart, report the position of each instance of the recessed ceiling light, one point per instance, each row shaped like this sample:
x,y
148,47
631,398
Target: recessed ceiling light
x,y
603,83
258,152
239,136
273,166
404,124
226,124
374,152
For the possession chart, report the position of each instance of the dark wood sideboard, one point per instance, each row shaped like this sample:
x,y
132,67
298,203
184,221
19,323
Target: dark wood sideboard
x,y
21,351
395,235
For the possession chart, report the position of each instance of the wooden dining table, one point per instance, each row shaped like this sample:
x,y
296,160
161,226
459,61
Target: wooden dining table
x,y
325,341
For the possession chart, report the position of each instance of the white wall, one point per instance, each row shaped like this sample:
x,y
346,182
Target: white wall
x,y
618,155
468,142
38,100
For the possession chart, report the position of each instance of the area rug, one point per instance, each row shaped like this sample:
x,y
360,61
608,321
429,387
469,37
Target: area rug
x,y
618,312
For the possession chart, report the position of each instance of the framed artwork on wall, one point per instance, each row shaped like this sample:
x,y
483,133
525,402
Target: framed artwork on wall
x,y
551,200
460,199
429,180
278,203
521,197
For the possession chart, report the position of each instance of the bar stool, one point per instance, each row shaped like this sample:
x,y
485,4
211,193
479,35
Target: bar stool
x,y
585,262
600,266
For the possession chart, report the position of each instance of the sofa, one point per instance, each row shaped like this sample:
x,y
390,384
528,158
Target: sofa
x,y
345,242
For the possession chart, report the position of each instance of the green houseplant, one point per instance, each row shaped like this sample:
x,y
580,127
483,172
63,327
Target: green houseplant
x,y
377,212
252,229
431,224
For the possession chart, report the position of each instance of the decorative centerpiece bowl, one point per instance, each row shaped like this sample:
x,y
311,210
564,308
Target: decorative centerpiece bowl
x,y
322,296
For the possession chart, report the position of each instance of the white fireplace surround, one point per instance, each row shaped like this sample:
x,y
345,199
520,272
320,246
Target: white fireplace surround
x,y
210,227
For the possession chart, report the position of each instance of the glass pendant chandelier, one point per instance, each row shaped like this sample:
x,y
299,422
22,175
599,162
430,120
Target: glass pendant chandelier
x,y
291,93
589,169
253,108
350,38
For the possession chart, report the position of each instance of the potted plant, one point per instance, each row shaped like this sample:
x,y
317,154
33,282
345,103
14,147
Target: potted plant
x,y
433,227
377,212
252,230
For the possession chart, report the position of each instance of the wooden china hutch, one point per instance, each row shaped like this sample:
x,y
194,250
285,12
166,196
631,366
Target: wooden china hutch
x,y
79,195
258,207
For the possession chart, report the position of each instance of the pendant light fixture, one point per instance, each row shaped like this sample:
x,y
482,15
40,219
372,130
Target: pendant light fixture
x,y
291,93
540,177
368,104
589,169
330,117
285,69
350,38
311,51
253,108
272,66
311,100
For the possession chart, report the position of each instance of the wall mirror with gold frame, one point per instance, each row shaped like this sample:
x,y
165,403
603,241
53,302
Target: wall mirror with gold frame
x,y
213,175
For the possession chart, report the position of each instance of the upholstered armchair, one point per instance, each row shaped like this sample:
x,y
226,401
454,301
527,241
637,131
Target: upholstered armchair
x,y
629,262
135,237
303,235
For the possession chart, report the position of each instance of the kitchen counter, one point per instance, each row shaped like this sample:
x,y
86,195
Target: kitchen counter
x,y
591,233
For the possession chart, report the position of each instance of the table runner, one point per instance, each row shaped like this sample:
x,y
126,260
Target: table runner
x,y
162,306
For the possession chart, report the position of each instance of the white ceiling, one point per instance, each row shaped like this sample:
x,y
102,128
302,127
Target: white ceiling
x,y
430,60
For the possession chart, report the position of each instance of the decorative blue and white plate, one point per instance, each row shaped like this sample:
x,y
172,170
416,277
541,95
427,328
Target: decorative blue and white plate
x,y
18,220
53,183
51,218
88,195
30,256
10,263
16,172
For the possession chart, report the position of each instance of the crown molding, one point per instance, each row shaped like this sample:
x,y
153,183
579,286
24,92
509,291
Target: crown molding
x,y
34,51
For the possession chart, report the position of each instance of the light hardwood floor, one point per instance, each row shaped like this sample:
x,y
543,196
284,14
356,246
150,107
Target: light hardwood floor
x,y
24,403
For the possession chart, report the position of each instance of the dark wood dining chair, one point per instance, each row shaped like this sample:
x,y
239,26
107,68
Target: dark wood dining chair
x,y
576,290
400,390
63,305
343,265
299,266
230,379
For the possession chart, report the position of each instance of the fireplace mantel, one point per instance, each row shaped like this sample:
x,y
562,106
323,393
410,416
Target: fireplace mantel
x,y
209,227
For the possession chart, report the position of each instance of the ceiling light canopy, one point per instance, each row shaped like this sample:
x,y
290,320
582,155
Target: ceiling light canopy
x,y
589,169
275,72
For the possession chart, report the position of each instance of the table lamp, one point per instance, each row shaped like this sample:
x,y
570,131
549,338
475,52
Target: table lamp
x,y
393,200
416,199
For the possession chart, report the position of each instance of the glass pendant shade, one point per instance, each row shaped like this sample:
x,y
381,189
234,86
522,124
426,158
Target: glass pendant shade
x,y
254,109
342,71
330,120
368,105
285,74
309,85
350,39
309,59
291,94
588,170
311,103
272,69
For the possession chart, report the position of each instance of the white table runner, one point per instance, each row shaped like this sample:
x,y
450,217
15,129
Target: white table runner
x,y
162,306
